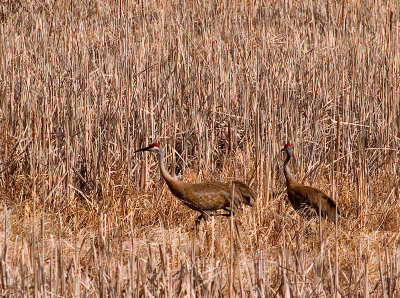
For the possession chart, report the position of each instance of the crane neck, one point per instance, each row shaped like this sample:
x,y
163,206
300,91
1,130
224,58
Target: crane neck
x,y
161,160
288,175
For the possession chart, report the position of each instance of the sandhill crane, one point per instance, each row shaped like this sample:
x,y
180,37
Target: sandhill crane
x,y
304,197
206,197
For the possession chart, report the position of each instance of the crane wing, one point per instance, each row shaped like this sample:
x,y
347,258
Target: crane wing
x,y
217,195
302,196
208,195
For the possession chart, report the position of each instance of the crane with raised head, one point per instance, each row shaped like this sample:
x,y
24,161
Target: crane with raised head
x,y
206,197
303,197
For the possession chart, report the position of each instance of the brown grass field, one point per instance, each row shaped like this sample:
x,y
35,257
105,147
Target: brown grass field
x,y
222,86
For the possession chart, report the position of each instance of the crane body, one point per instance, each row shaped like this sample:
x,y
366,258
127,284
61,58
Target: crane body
x,y
206,197
304,197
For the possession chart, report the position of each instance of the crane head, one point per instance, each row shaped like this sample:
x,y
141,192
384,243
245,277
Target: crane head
x,y
288,148
154,147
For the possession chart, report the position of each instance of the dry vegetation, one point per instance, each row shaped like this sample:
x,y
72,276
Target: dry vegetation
x,y
221,86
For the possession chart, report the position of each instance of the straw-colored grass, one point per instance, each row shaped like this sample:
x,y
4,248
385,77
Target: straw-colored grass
x,y
221,86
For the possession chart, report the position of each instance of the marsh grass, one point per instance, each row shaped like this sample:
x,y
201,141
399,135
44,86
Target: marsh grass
x,y
221,86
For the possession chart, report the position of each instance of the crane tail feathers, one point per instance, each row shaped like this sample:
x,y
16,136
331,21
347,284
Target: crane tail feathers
x,y
246,195
330,208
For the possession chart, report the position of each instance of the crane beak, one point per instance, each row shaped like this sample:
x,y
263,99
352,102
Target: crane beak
x,y
144,149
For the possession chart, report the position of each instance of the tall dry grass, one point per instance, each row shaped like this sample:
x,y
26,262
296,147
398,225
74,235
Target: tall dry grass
x,y
222,86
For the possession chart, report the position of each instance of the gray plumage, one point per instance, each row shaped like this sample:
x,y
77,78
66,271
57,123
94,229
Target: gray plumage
x,y
306,200
206,197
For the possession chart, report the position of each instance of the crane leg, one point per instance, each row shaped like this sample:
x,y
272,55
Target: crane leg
x,y
230,213
203,215
226,214
198,219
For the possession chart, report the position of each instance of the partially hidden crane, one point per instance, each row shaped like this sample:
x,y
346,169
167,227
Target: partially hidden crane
x,y
304,197
206,197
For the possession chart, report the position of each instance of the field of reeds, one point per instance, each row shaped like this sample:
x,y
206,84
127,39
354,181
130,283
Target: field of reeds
x,y
222,86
